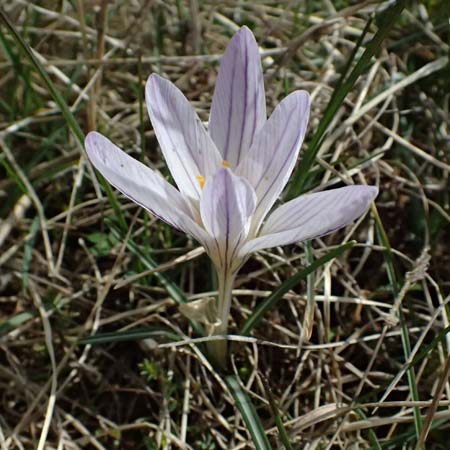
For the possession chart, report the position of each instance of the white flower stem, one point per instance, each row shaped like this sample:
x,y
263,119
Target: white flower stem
x,y
217,349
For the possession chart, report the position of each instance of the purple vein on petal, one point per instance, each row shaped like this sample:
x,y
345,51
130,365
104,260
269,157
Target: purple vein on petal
x,y
235,247
276,177
311,205
182,125
312,216
282,134
238,107
219,252
226,205
230,111
282,168
286,223
142,205
273,153
255,115
227,215
136,181
245,94
319,208
172,144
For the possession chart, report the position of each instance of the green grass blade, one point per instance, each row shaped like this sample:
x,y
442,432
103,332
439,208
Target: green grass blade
x,y
28,253
439,339
113,202
352,57
277,295
372,435
406,440
283,435
16,320
129,335
392,275
284,438
386,21
13,175
308,317
141,101
248,412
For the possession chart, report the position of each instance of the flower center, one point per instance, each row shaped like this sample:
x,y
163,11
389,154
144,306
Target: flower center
x,y
201,178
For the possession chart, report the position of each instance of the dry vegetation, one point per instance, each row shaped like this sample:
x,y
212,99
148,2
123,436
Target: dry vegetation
x,y
68,270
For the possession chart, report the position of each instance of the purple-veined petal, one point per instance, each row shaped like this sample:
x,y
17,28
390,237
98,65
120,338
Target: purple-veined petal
x,y
271,159
187,147
142,185
238,109
312,215
226,206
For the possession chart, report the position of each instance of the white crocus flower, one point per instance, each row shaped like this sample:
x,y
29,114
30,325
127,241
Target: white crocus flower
x,y
230,176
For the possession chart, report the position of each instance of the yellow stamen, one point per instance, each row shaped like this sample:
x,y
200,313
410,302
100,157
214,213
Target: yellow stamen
x,y
201,180
225,164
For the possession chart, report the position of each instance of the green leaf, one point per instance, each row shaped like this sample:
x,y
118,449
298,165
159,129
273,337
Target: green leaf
x,y
102,243
277,295
150,369
248,412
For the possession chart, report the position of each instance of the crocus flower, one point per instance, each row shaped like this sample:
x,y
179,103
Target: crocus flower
x,y
229,177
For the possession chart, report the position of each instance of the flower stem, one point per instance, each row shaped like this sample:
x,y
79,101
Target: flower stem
x,y
217,349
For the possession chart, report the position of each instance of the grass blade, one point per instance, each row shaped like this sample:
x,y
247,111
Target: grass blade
x,y
277,295
392,275
308,318
387,20
16,320
372,436
248,412
129,335
283,435
351,58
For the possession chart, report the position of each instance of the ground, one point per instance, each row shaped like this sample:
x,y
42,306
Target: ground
x,y
90,283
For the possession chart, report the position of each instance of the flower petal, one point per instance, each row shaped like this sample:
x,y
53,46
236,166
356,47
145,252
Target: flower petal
x,y
312,215
226,206
187,147
238,109
141,185
272,157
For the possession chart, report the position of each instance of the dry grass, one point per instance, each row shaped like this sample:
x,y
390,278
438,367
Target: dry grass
x,y
65,276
